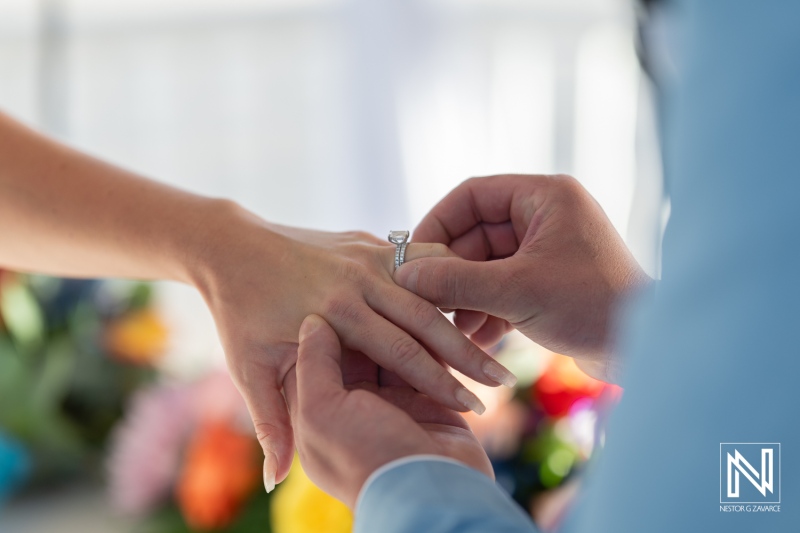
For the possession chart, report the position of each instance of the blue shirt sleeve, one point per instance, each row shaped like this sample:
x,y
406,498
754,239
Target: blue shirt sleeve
x,y
434,496
716,358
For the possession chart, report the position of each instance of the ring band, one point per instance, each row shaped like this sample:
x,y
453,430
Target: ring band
x,y
400,239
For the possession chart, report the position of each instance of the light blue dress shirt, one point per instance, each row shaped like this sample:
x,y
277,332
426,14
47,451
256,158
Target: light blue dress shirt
x,y
716,357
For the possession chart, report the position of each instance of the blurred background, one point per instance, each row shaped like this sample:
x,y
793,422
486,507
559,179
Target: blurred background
x,y
115,411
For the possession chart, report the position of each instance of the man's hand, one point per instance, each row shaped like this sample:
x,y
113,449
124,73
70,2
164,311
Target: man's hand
x,y
348,424
556,266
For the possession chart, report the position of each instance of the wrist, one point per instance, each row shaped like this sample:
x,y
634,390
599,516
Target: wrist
x,y
215,243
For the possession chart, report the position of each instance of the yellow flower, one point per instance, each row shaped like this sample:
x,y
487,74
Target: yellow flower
x,y
300,507
139,337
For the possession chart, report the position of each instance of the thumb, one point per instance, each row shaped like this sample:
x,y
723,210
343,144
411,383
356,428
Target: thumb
x,y
455,283
261,391
319,366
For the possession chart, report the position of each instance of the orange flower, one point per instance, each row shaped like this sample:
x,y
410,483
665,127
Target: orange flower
x,y
220,472
139,337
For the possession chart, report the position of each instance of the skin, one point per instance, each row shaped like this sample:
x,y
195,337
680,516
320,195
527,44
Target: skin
x,y
537,253
67,214
348,427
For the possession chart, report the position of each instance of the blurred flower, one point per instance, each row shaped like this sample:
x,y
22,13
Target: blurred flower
x,y
299,506
14,466
220,472
215,397
562,384
499,429
22,313
146,448
139,337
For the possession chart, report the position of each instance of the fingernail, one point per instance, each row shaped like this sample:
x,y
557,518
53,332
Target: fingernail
x,y
470,401
309,326
270,470
496,372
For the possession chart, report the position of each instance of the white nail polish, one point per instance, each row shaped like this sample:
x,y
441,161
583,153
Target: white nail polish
x,y
470,401
494,371
270,471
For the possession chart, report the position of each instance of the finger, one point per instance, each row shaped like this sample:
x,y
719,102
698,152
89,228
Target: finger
x,y
430,327
486,241
468,322
387,378
421,408
474,201
290,393
358,368
490,333
393,349
319,360
260,389
457,283
414,250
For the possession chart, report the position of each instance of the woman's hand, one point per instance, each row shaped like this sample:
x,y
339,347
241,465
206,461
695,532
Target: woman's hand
x,y
348,427
262,280
67,214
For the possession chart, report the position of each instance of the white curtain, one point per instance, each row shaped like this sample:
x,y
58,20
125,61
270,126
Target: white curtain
x,y
340,114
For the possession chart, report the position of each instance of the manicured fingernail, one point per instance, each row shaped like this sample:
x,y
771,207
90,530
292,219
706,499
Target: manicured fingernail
x,y
470,401
496,372
309,326
270,470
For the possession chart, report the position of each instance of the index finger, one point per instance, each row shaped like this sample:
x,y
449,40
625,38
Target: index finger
x,y
476,200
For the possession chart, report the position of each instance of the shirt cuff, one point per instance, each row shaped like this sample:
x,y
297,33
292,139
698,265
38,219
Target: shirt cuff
x,y
391,465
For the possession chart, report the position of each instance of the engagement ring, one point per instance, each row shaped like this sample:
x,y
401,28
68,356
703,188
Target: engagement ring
x,y
399,238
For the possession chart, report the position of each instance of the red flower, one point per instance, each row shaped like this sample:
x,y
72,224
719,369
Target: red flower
x,y
562,384
220,473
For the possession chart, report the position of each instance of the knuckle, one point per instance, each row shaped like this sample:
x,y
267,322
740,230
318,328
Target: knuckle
x,y
344,309
404,351
568,185
359,236
266,433
354,271
565,178
423,314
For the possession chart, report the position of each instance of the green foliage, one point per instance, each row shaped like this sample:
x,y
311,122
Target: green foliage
x,y
60,392
253,518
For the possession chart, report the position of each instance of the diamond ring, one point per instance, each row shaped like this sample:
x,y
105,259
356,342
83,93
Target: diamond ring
x,y
400,239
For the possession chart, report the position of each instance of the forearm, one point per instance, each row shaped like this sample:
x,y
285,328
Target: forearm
x,y
65,213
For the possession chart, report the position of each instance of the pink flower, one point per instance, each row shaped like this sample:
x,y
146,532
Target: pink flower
x,y
216,399
147,446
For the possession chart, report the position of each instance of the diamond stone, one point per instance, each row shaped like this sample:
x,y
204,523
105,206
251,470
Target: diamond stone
x,y
398,237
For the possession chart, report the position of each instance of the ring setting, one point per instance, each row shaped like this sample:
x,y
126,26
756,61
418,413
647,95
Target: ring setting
x,y
399,239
